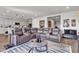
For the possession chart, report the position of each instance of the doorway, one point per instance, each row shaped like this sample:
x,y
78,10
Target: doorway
x,y
49,23
54,21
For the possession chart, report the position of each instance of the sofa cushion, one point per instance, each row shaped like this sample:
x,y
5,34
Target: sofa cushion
x,y
18,31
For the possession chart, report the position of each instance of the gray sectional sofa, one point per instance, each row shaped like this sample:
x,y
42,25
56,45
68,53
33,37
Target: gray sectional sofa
x,y
19,37
35,33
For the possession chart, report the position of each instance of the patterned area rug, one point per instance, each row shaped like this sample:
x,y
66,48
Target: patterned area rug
x,y
52,48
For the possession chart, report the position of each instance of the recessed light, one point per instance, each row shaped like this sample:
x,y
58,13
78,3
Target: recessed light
x,y
67,7
35,15
7,11
23,15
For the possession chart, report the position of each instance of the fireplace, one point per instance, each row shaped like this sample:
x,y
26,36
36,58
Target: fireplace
x,y
71,32
68,33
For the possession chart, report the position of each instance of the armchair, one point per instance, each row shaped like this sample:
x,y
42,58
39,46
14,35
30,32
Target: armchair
x,y
56,35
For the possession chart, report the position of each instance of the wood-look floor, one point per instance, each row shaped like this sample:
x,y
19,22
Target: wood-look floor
x,y
3,41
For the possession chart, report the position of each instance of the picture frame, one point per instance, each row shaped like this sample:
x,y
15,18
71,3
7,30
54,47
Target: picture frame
x,y
73,22
41,23
66,23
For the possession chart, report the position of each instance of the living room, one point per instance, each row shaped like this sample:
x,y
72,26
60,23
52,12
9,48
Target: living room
x,y
56,25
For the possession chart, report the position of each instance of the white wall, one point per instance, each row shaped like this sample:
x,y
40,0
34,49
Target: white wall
x,y
35,22
70,15
66,15
6,22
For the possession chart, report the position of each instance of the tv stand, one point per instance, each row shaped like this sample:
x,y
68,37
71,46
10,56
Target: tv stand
x,y
69,36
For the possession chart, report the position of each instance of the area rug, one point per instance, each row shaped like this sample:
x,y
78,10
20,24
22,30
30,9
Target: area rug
x,y
24,48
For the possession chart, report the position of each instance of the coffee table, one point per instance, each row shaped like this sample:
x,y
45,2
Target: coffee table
x,y
39,47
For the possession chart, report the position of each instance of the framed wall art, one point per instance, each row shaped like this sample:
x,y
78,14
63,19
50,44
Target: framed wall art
x,y
73,22
41,23
66,23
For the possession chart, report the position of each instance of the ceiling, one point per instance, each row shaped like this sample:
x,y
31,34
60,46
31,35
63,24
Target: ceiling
x,y
25,12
